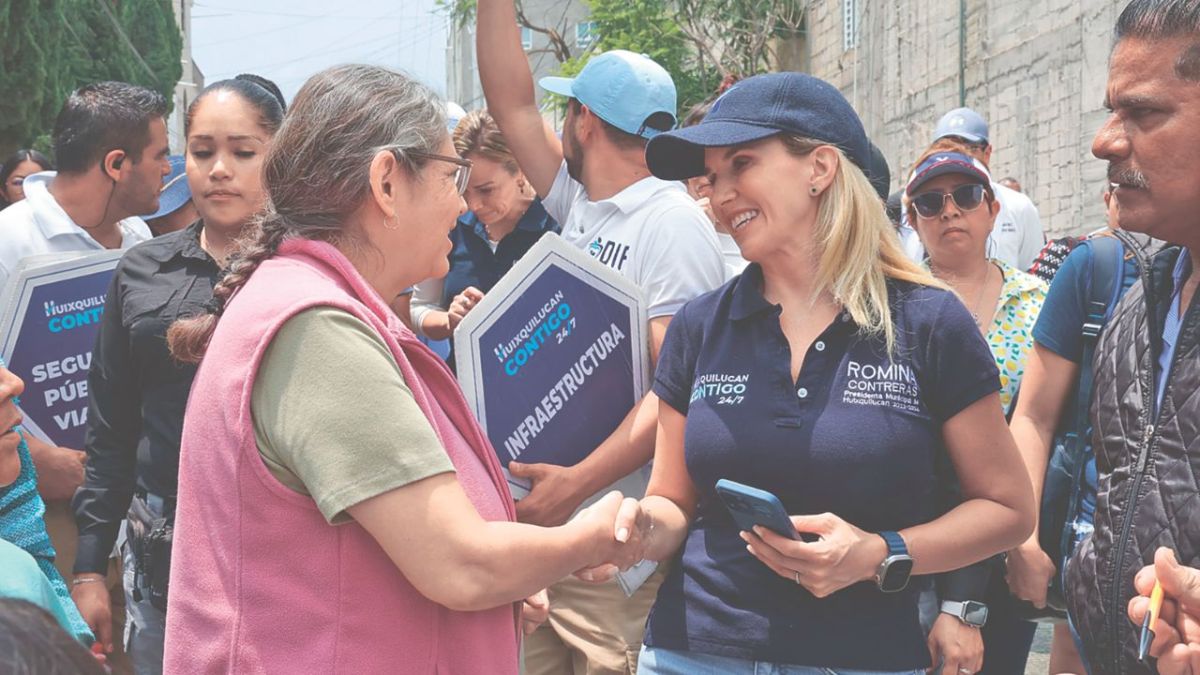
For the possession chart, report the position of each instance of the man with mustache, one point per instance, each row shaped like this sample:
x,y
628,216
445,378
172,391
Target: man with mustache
x,y
1145,410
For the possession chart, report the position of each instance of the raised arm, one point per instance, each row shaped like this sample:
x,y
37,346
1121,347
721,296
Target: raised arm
x,y
508,88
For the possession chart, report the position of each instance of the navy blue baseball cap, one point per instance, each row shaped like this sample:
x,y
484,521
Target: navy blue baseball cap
x,y
174,192
757,108
944,163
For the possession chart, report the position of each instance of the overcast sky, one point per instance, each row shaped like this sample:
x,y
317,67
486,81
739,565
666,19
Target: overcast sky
x,y
289,40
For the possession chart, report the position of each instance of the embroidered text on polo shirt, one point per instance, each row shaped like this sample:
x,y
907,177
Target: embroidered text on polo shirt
x,y
893,385
609,252
720,388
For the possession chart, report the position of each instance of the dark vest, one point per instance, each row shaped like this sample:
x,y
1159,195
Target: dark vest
x,y
1149,490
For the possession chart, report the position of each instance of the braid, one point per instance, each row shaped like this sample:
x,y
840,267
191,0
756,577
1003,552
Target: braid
x,y
188,338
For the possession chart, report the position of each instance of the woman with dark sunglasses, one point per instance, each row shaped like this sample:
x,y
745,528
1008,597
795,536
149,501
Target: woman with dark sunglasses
x,y
950,201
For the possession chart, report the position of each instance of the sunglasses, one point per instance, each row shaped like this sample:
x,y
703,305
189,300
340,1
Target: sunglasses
x,y
931,204
462,175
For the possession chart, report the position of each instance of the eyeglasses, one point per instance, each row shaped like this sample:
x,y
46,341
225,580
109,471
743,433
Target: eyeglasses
x,y
461,176
966,198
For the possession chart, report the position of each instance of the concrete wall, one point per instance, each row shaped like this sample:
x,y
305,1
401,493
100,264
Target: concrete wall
x,y
1035,69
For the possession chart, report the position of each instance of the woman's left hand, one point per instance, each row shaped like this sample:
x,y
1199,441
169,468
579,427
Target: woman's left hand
x,y
844,555
534,611
955,647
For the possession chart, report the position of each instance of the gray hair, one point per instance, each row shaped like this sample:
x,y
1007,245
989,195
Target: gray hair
x,y
1163,20
317,171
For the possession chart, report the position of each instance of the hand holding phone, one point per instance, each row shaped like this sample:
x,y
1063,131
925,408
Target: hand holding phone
x,y
751,506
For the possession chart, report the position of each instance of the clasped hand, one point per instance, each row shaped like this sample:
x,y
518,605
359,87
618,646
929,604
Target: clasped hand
x,y
621,532
844,555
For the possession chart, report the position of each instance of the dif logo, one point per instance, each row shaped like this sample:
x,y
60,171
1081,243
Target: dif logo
x,y
72,315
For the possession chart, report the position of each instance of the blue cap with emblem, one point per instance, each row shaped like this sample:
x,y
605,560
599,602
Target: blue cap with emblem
x,y
759,107
622,88
963,123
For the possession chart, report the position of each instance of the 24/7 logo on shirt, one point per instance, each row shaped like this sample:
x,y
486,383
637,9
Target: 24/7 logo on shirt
x,y
720,388
609,252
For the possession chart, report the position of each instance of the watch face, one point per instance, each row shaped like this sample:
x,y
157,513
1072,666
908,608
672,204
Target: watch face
x,y
895,577
975,613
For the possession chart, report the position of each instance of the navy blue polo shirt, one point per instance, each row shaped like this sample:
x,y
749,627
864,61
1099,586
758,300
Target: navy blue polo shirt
x,y
472,262
857,434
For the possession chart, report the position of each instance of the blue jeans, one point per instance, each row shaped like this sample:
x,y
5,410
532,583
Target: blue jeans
x,y
671,662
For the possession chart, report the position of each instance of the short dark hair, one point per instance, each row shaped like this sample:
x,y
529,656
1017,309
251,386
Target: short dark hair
x,y
624,140
1163,20
101,117
33,642
12,161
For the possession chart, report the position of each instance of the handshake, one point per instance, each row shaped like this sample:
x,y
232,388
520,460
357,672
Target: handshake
x,y
621,532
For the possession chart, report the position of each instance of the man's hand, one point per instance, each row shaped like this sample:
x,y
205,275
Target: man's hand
x,y
534,612
60,470
1177,632
95,606
954,646
1029,572
554,495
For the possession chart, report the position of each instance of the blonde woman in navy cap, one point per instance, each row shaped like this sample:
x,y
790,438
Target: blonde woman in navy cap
x,y
831,373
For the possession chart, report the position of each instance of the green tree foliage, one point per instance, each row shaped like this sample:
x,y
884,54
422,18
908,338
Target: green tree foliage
x,y
649,27
50,47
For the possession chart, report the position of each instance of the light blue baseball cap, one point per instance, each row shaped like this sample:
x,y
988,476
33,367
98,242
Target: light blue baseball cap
x,y
621,88
963,123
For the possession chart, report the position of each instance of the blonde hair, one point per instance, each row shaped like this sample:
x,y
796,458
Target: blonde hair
x,y
859,249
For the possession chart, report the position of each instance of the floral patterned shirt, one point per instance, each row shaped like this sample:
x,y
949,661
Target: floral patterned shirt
x,y
1010,336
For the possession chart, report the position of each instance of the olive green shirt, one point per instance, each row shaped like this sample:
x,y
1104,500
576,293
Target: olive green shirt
x,y
333,416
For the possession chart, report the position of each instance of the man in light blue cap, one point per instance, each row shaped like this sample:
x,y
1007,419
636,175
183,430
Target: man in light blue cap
x,y
595,183
1017,237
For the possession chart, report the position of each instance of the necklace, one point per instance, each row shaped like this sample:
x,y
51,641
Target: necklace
x,y
979,296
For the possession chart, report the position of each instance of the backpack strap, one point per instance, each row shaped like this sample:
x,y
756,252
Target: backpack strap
x,y
1103,291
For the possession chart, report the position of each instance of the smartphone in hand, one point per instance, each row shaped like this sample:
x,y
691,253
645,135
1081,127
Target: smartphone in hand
x,y
751,506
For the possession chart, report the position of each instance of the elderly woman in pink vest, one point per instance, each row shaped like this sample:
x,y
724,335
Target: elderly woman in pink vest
x,y
339,509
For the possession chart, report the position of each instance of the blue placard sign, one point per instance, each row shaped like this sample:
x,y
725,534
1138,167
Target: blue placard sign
x,y
555,357
48,325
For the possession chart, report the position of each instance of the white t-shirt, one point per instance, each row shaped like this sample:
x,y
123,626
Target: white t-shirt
x,y
1017,237
655,235
734,262
652,232
38,225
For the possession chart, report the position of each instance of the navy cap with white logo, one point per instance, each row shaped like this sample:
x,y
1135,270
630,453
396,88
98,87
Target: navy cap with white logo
x,y
757,108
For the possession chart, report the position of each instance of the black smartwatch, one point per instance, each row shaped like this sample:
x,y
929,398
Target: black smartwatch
x,y
972,613
893,573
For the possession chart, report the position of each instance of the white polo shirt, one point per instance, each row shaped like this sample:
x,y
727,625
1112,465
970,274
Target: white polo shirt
x,y
655,235
652,232
37,225
1017,237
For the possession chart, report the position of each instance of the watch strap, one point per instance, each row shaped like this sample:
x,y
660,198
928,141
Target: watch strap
x,y
895,543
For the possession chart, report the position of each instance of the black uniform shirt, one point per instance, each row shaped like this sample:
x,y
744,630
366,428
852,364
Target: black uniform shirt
x,y
137,393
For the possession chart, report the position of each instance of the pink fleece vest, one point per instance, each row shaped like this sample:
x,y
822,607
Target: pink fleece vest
x,y
260,583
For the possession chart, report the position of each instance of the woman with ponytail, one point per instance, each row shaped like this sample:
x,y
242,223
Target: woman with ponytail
x,y
340,510
137,391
